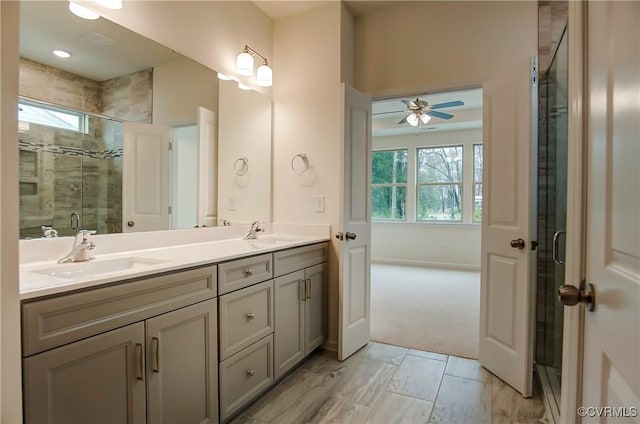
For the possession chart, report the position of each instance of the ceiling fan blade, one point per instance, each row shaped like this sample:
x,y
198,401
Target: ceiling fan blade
x,y
448,104
403,120
440,115
388,112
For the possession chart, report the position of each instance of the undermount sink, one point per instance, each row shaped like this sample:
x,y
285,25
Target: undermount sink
x,y
76,270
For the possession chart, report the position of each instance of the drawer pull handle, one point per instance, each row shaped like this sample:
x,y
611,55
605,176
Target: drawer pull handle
x,y
139,372
155,343
251,372
308,288
248,272
251,316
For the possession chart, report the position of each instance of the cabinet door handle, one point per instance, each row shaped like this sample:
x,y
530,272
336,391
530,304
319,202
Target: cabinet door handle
x,y
139,372
302,288
308,288
155,346
251,316
250,372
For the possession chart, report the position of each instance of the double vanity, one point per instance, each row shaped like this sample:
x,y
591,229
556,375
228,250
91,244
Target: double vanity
x,y
168,332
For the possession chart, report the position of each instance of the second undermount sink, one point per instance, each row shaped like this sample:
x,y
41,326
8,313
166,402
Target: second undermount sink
x,y
76,270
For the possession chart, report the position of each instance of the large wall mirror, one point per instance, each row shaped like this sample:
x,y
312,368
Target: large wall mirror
x,y
127,135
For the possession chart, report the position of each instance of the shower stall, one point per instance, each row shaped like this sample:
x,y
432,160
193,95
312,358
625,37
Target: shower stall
x,y
552,217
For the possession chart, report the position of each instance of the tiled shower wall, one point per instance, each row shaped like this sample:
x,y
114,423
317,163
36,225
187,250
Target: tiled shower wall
x,y
65,171
552,18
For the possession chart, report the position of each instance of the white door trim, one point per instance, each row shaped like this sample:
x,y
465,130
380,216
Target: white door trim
x,y
572,340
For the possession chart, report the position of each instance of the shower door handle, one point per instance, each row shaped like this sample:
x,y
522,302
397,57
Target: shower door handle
x,y
555,247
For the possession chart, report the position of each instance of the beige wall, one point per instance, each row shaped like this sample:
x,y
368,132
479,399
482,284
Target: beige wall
x,y
209,32
10,367
179,88
429,46
307,119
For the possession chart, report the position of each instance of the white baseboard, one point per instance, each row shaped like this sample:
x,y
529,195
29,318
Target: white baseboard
x,y
426,264
331,345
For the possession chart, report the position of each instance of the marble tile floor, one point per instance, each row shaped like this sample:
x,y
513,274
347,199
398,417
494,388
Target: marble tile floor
x,y
384,384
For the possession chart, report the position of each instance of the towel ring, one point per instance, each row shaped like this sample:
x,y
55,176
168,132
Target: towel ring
x,y
305,161
241,166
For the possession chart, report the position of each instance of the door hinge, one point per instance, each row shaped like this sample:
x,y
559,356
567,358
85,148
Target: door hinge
x,y
534,245
170,145
534,71
170,210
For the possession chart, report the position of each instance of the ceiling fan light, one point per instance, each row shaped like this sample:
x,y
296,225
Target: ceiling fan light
x,y
425,118
412,119
82,11
264,76
244,64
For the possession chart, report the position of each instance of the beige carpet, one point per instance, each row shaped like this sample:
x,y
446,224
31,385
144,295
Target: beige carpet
x,y
435,310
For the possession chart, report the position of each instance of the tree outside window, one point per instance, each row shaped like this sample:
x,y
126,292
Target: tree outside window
x,y
439,184
389,184
477,183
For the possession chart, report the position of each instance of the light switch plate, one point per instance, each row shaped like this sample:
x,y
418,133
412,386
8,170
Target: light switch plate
x,y
319,203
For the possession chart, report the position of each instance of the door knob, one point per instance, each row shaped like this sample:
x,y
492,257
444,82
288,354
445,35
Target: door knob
x,y
571,296
350,236
130,224
518,244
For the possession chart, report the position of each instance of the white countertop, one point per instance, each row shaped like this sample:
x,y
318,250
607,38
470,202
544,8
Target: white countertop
x,y
153,260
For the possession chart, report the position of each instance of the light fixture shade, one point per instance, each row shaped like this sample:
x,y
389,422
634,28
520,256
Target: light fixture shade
x,y
425,118
82,11
264,76
412,120
223,77
242,86
244,64
110,4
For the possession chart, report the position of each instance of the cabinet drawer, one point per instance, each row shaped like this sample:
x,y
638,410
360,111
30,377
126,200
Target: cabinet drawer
x,y
56,321
291,260
245,375
241,273
246,316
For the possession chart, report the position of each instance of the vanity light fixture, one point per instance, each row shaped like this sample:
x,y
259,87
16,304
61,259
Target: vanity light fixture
x,y
244,66
242,86
82,11
224,77
62,54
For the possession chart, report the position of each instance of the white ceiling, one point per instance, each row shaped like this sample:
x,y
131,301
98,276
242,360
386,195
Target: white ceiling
x,y
386,113
100,49
277,9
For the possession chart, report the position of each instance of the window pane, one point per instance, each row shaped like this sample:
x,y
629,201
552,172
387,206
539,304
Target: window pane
x,y
477,163
49,116
440,165
439,202
477,202
389,166
388,202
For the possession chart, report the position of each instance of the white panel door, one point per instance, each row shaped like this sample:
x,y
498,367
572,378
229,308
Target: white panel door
x,y
506,333
611,368
355,229
207,168
145,178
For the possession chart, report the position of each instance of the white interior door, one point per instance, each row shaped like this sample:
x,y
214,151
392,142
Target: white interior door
x,y
207,168
355,229
611,368
506,295
145,178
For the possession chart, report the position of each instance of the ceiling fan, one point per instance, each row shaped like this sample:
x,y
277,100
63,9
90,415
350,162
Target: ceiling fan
x,y
421,111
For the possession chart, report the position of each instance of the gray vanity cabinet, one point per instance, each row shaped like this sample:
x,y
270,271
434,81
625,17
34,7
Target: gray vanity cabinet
x,y
300,313
182,365
96,380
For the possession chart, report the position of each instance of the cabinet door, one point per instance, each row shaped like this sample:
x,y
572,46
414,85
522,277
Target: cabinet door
x,y
315,307
182,365
96,380
288,342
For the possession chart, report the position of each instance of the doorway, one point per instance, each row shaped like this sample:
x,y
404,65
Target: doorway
x,y
426,215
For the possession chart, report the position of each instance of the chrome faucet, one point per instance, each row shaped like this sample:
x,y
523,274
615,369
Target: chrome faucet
x,y
48,231
255,228
82,247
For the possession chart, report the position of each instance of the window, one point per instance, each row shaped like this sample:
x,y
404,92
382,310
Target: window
x,y
477,183
52,116
439,185
389,184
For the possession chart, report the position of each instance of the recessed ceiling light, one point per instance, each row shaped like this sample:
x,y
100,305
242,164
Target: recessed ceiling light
x,y
82,11
62,54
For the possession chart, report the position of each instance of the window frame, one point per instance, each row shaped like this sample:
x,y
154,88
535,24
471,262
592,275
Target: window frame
x,y
475,183
382,185
83,118
419,184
